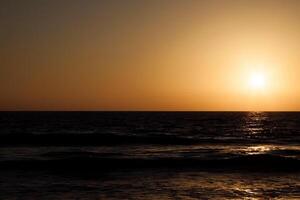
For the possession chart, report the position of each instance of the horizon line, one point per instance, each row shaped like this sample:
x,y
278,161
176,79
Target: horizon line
x,y
150,111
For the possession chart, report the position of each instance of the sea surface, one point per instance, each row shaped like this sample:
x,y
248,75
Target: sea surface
x,y
149,155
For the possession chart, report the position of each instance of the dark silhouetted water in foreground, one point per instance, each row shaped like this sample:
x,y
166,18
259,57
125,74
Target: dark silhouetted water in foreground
x,y
149,155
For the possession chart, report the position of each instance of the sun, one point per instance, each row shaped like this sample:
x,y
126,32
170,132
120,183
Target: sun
x,y
257,81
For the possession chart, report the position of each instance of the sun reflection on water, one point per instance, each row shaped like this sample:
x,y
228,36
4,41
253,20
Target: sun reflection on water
x,y
255,123
260,149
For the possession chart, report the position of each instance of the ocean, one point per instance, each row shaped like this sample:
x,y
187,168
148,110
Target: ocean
x,y
149,155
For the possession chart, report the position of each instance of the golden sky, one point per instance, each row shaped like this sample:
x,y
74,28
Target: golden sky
x,y
150,55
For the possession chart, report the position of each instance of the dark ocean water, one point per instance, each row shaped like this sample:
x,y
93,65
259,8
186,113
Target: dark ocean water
x,y
149,155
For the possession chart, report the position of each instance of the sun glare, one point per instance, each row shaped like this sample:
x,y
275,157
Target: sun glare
x,y
257,81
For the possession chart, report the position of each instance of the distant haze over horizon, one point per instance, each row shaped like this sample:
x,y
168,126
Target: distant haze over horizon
x,y
150,55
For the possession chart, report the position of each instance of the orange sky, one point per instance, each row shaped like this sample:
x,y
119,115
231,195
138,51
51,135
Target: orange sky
x,y
149,55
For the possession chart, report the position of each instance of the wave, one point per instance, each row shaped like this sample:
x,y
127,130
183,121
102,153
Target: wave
x,y
82,163
88,139
98,139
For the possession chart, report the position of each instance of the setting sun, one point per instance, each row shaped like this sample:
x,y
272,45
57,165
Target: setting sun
x,y
257,81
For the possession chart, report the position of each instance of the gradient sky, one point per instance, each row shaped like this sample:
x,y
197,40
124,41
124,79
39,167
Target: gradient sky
x,y
149,54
